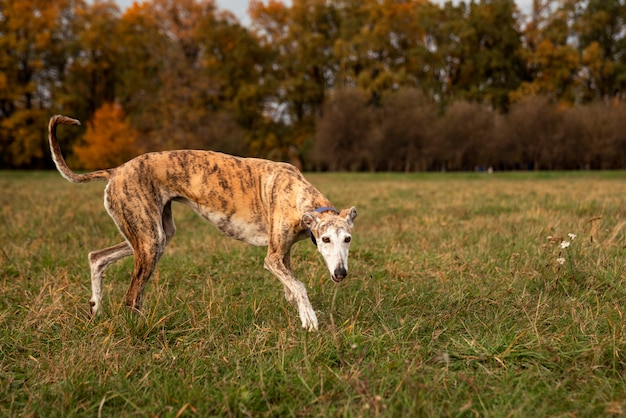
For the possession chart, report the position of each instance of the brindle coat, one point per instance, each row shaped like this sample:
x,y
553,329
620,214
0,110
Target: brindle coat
x,y
257,201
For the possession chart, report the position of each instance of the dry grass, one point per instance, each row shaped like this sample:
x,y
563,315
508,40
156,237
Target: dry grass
x,y
456,305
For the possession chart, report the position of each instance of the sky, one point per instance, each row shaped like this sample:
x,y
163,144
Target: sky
x,y
240,7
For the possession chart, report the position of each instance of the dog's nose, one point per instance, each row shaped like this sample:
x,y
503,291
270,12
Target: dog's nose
x,y
340,274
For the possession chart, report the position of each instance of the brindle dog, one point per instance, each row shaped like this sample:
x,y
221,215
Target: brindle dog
x,y
257,201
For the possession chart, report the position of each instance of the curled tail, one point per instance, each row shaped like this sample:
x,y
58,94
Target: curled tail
x,y
58,159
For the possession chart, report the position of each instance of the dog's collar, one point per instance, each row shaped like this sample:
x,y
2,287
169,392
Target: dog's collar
x,y
320,210
326,209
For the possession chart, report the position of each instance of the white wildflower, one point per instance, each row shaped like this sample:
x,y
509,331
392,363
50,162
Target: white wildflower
x,y
565,244
560,260
571,236
549,237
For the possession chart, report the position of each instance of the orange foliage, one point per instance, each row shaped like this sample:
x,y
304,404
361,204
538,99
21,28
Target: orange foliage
x,y
109,140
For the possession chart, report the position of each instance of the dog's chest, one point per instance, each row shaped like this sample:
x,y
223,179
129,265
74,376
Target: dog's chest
x,y
238,228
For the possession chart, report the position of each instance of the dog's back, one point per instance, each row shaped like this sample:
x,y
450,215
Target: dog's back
x,y
235,194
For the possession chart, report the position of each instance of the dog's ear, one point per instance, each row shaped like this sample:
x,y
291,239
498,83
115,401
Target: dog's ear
x,y
310,220
349,214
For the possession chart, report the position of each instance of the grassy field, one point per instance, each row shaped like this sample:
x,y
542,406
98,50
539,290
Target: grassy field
x,y
463,299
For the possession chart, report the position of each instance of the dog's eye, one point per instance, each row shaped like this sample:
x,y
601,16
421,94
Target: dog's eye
x,y
348,239
326,240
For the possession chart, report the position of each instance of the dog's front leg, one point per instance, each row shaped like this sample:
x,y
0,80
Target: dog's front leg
x,y
294,290
287,261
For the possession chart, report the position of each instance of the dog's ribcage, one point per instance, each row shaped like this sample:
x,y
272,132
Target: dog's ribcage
x,y
232,225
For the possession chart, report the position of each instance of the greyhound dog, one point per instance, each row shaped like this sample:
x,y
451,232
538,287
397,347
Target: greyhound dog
x,y
260,202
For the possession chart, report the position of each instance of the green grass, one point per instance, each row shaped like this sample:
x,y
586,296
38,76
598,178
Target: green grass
x,y
455,306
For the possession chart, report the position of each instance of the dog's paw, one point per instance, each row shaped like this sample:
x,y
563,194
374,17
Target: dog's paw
x,y
309,320
93,308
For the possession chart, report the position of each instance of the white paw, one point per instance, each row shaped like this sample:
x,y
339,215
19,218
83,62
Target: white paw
x,y
308,318
94,307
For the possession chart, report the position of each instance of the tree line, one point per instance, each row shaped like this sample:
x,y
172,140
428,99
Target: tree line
x,y
405,134
402,85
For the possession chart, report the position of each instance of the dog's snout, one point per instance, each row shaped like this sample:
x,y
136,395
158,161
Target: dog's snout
x,y
340,274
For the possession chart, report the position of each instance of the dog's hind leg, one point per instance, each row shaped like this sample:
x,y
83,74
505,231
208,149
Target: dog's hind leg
x,y
146,223
98,261
148,251
147,254
148,235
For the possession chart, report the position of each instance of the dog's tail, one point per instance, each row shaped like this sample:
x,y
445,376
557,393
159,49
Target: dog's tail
x,y
58,159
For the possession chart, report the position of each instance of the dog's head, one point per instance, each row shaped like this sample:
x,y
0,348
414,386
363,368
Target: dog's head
x,y
331,231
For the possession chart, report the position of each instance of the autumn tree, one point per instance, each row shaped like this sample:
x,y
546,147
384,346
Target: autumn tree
x,y
91,74
489,64
346,134
109,140
551,62
464,138
173,101
302,72
32,41
170,107
407,124
599,145
349,53
531,135
240,70
376,50
602,42
434,61
618,134
143,48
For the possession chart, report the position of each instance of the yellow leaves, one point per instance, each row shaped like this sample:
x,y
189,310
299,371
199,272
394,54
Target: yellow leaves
x,y
109,140
593,57
274,10
555,67
270,20
4,84
139,16
264,144
19,125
